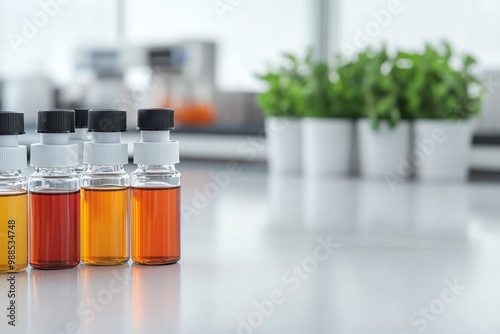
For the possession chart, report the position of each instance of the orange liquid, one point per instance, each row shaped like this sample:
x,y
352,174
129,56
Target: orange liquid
x,y
156,225
13,230
104,225
192,113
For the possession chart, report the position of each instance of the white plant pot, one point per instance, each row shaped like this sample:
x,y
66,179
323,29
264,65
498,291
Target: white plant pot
x,y
326,146
284,145
441,149
381,151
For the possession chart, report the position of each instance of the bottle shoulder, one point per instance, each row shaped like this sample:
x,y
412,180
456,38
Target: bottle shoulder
x,y
13,182
70,177
156,170
102,177
60,183
87,175
156,176
169,174
12,175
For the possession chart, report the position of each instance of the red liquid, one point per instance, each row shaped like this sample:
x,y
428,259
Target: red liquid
x,y
55,230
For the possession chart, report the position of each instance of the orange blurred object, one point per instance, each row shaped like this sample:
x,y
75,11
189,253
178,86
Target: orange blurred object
x,y
191,113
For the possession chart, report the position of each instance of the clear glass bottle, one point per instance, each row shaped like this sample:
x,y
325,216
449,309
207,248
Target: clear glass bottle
x,y
156,191
80,136
54,193
13,195
105,191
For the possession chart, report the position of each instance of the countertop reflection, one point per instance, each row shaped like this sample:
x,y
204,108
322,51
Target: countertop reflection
x,y
267,254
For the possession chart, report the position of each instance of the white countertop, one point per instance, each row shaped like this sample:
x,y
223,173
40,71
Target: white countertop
x,y
283,255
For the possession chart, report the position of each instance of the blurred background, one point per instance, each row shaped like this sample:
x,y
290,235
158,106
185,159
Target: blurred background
x,y
202,57
244,229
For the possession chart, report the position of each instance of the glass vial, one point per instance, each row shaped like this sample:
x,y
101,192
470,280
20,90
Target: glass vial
x,y
105,191
13,195
54,193
156,190
80,136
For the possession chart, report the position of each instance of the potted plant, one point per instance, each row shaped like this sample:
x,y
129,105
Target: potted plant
x,y
442,99
282,103
384,132
328,123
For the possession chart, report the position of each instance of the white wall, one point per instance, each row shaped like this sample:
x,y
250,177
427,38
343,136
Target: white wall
x,y
249,36
471,26
51,45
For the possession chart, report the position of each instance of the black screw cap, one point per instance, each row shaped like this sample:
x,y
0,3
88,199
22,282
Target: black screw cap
x,y
55,121
155,119
11,123
81,118
107,120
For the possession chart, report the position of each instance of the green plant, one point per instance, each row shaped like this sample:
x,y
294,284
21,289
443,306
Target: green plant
x,y
349,76
380,90
318,92
333,94
310,88
418,85
284,97
431,87
375,85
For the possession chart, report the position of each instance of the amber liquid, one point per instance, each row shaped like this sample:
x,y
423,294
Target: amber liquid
x,y
54,229
104,225
156,225
13,231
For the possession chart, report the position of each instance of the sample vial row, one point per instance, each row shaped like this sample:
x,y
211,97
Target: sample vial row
x,y
80,197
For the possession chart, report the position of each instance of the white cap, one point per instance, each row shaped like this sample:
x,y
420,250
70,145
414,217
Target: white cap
x,y
156,148
105,149
54,151
12,155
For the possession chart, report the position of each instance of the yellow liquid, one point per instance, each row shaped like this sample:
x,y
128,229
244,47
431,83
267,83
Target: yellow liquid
x,y
104,225
13,230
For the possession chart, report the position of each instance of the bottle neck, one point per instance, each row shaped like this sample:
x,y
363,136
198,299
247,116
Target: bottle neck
x,y
59,171
99,169
54,138
9,140
10,174
80,133
106,137
156,168
155,136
